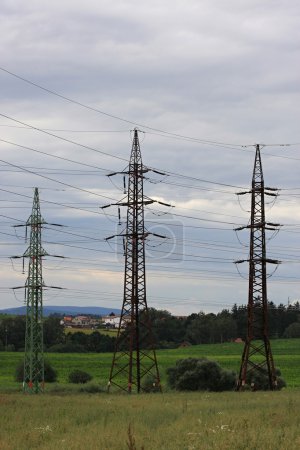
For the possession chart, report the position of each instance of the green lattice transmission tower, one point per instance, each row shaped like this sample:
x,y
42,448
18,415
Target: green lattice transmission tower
x,y
34,359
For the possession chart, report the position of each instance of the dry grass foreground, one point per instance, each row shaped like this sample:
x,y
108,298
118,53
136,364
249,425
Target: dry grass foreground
x,y
172,421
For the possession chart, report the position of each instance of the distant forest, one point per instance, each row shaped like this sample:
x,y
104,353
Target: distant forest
x,y
169,331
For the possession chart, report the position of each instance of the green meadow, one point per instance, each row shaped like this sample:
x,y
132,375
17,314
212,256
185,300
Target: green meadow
x,y
286,354
65,418
112,332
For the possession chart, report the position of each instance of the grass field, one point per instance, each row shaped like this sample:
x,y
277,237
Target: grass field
x,y
172,421
112,332
286,355
65,418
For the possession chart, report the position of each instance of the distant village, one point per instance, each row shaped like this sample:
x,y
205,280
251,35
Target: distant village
x,y
94,322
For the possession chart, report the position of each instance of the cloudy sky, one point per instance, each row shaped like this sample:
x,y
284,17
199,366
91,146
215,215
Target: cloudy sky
x,y
203,81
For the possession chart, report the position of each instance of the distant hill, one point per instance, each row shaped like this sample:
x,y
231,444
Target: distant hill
x,y
65,310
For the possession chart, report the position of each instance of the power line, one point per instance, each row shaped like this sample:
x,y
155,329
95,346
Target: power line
x,y
55,156
87,147
56,181
205,141
69,131
176,174
159,132
200,218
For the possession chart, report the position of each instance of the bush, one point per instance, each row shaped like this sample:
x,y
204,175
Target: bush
x,y
292,331
150,384
79,377
259,381
50,374
182,365
200,374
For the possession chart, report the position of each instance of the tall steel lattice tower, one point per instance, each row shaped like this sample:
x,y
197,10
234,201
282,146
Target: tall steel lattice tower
x,y
34,358
134,357
257,354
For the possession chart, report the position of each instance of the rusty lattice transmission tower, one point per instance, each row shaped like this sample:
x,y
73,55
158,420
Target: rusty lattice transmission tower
x,y
134,357
33,380
257,354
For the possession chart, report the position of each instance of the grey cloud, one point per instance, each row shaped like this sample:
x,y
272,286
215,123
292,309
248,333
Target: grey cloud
x,y
220,71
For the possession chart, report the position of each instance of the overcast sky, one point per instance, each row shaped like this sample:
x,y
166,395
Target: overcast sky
x,y
225,75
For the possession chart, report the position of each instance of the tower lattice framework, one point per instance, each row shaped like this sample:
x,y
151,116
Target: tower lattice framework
x,y
257,353
34,357
134,357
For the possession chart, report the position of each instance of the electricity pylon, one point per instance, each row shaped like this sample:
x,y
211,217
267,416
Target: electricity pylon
x,y
33,380
257,355
34,356
134,357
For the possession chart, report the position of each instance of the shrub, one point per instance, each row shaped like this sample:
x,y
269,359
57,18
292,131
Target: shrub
x,y
150,384
50,374
79,377
182,365
259,381
200,374
292,331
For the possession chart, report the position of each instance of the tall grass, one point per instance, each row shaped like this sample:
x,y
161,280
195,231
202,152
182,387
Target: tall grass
x,y
173,421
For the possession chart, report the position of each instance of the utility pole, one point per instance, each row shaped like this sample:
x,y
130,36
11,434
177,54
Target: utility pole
x,y
34,354
257,355
33,381
134,356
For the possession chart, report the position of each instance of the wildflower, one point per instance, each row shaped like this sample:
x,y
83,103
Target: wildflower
x,y
44,429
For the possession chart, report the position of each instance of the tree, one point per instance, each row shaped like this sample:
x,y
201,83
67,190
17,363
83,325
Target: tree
x,y
225,327
166,328
292,331
100,343
67,348
53,331
12,332
200,329
239,315
278,319
78,338
291,315
200,374
94,341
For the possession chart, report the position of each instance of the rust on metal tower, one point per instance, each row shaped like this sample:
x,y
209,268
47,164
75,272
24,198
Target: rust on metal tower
x,y
134,358
257,354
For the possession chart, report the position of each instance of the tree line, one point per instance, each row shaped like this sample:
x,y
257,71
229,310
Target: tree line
x,y
225,326
169,331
